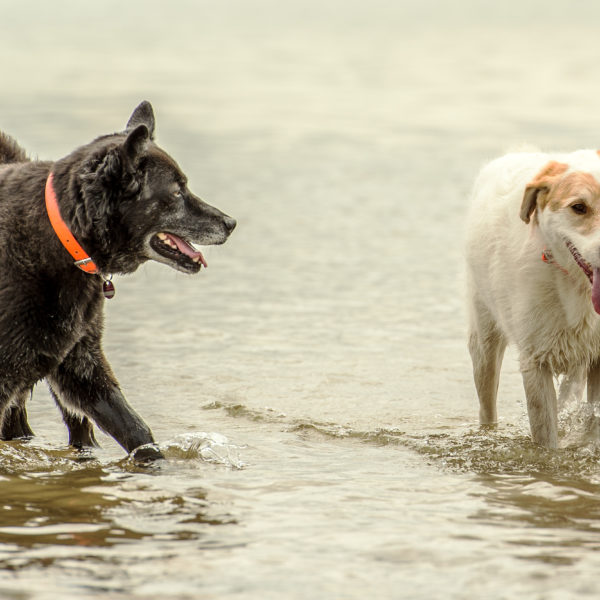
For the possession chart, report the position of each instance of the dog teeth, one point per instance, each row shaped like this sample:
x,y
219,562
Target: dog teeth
x,y
165,239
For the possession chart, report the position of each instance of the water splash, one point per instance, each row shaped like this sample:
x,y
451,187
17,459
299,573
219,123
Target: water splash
x,y
579,423
209,447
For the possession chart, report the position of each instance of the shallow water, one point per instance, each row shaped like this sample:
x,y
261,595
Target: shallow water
x,y
311,389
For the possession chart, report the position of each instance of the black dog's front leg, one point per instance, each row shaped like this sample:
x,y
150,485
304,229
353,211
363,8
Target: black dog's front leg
x,y
84,383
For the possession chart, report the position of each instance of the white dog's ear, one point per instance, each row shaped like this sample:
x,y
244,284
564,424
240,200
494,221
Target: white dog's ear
x,y
530,198
537,189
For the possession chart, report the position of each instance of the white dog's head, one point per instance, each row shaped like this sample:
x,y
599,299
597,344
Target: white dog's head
x,y
563,200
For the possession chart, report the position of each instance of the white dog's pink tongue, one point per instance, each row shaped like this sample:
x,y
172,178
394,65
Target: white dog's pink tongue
x,y
596,289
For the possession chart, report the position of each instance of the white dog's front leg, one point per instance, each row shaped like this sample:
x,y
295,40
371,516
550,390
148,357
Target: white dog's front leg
x,y
541,404
593,384
593,398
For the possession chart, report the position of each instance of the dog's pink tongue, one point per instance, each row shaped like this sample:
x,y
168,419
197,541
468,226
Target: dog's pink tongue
x,y
596,289
186,249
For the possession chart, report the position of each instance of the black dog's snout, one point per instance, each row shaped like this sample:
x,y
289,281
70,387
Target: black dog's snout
x,y
229,224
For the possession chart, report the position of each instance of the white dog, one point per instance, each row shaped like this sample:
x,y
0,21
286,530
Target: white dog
x,y
533,262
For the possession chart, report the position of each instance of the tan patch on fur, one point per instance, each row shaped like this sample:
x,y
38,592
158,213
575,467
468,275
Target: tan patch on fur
x,y
536,191
549,172
578,187
578,184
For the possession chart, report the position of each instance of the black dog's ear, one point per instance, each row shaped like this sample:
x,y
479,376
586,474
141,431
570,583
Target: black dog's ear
x,y
135,146
142,115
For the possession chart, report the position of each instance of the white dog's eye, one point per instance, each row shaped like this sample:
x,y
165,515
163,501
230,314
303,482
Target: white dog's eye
x,y
580,208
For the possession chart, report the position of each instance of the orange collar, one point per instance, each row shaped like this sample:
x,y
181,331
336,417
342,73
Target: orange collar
x,y
67,239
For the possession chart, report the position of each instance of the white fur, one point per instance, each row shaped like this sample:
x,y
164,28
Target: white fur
x,y
514,297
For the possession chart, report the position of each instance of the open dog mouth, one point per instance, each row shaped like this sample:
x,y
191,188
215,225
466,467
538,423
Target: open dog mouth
x,y
176,249
592,273
585,266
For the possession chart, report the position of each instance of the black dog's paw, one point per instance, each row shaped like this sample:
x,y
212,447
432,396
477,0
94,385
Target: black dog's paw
x,y
147,453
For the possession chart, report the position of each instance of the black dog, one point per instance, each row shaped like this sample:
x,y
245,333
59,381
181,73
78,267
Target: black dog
x,y
65,228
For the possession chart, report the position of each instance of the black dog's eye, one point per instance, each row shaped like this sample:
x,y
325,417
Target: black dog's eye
x,y
178,194
579,209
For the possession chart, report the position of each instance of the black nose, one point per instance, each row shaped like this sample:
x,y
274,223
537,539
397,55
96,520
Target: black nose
x,y
229,224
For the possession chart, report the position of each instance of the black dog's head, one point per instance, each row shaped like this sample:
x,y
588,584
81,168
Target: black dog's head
x,y
133,203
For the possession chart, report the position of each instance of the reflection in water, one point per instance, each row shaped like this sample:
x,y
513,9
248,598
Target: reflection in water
x,y
550,519
543,503
70,499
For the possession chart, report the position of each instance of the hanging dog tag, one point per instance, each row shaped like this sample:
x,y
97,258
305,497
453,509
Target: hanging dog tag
x,y
108,288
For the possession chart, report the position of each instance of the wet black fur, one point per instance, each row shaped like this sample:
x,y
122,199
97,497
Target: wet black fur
x,y
114,193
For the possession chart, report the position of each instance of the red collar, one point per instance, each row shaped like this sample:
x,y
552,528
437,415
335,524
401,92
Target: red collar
x,y
549,260
67,239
